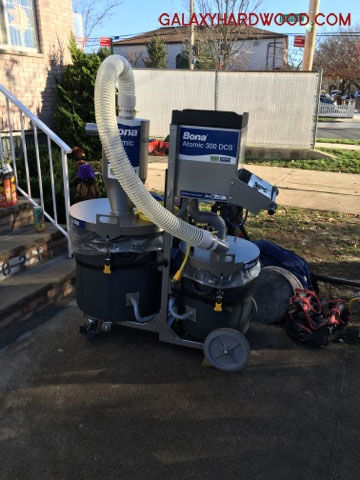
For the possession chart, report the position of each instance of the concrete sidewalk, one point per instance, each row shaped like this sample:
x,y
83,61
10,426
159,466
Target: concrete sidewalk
x,y
340,146
299,188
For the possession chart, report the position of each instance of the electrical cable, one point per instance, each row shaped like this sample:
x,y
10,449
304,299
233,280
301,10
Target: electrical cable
x,y
337,280
178,274
237,225
354,299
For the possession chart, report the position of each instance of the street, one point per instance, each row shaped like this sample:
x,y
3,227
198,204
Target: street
x,y
351,133
346,128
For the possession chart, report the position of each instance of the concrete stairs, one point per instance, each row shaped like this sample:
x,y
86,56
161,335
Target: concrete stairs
x,y
35,270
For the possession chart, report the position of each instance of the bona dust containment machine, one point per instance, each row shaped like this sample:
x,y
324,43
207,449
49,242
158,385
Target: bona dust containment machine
x,y
168,269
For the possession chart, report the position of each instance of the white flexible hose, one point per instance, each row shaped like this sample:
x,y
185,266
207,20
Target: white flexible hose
x,y
115,70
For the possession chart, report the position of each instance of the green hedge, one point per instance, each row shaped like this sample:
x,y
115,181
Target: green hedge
x,y
75,100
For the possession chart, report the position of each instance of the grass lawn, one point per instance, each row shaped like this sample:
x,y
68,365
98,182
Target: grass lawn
x,y
344,141
346,161
329,241
328,119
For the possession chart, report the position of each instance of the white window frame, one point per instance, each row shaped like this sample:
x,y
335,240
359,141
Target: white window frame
x,y
10,46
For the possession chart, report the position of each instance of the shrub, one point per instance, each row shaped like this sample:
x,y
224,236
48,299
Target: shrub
x,y
75,100
157,53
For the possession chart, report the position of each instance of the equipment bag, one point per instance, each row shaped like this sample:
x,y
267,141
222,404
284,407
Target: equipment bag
x,y
313,322
274,255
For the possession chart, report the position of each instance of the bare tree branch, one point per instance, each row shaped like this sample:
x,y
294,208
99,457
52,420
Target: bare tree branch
x,y
339,57
94,12
219,43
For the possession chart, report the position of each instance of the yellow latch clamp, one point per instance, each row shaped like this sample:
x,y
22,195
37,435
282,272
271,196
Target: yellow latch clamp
x,y
218,307
107,268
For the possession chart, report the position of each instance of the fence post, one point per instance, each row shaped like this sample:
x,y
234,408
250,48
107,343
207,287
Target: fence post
x,y
317,108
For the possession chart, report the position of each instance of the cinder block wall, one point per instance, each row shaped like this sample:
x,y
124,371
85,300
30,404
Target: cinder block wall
x,y
31,76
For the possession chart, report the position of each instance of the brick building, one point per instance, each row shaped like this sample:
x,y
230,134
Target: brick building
x,y
34,39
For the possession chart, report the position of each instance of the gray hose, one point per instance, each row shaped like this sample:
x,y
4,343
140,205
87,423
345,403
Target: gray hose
x,y
137,315
210,218
173,311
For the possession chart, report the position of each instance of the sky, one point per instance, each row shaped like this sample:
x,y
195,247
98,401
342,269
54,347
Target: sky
x,y
137,16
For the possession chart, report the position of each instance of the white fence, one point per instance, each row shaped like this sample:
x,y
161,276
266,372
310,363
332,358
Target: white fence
x,y
339,111
282,106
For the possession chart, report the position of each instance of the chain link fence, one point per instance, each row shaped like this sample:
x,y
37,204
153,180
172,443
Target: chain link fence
x,y
282,106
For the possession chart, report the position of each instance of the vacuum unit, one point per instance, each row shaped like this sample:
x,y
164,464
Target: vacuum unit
x,y
170,266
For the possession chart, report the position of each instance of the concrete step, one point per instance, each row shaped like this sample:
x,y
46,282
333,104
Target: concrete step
x,y
24,248
23,296
16,216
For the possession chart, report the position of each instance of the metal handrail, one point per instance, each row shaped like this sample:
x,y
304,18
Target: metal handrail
x,y
37,124
36,121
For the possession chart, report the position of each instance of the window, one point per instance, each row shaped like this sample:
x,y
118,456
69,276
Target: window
x,y
17,24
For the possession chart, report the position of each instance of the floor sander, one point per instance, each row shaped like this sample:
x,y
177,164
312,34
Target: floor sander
x,y
169,266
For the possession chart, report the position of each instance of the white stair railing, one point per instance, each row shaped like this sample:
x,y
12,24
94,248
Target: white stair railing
x,y
37,125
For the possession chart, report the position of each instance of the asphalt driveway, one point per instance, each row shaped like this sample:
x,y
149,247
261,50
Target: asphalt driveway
x,y
125,406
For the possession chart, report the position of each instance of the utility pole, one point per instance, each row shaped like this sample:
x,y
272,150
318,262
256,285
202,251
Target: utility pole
x,y
310,39
192,38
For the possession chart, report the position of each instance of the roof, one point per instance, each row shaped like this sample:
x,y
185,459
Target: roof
x,y
177,35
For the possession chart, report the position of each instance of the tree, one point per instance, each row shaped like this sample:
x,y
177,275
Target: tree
x,y
94,12
157,53
220,46
203,57
75,100
182,60
339,58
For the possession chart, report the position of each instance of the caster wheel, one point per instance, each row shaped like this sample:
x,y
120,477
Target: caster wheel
x,y
88,329
227,349
106,326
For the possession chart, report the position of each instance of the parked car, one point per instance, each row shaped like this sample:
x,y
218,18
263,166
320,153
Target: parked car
x,y
333,93
326,99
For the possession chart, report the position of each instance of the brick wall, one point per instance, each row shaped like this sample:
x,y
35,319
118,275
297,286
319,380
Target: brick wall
x,y
31,76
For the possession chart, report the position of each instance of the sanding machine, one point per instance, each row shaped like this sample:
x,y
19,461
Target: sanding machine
x,y
168,264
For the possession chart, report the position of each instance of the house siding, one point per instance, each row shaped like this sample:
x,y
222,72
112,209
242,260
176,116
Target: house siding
x,y
253,54
31,77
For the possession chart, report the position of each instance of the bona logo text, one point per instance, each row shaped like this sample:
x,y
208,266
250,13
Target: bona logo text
x,y
193,136
128,132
